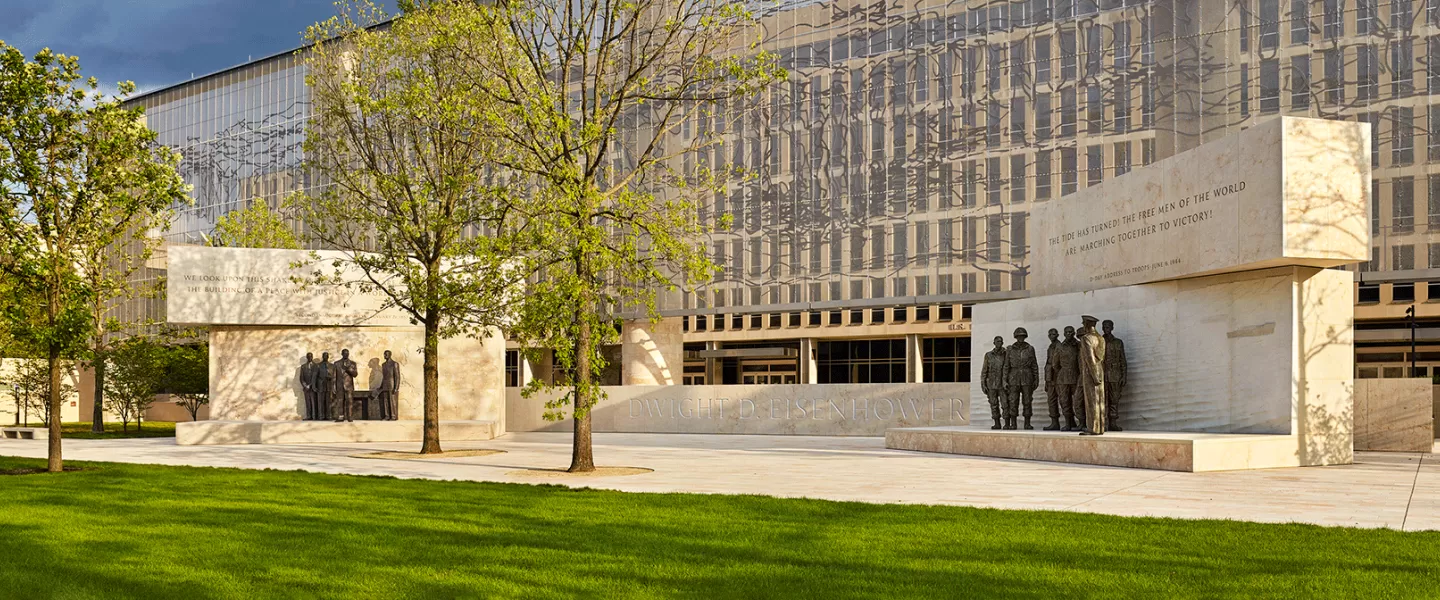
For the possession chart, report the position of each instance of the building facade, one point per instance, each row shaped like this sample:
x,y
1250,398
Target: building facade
x,y
894,173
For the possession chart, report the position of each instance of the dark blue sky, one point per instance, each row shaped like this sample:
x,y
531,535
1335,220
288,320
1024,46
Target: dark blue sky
x,y
158,42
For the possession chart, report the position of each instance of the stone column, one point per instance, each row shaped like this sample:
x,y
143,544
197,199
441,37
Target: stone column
x,y
809,370
651,353
914,363
712,365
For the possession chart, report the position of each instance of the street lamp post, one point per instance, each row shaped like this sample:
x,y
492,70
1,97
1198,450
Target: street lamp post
x,y
1410,315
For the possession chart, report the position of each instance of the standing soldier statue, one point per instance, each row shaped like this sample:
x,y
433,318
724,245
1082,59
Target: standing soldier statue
x,y
343,407
389,389
1022,375
992,378
1052,363
1115,372
1067,378
307,386
1092,376
324,386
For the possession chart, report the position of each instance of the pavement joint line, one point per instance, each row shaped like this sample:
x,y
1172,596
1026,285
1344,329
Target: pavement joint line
x,y
1113,492
1413,484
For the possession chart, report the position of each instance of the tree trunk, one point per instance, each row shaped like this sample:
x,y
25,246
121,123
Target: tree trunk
x,y
56,465
582,455
97,415
431,444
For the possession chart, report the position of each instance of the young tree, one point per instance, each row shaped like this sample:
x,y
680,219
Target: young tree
x,y
398,136
593,94
137,368
254,227
78,171
32,388
188,376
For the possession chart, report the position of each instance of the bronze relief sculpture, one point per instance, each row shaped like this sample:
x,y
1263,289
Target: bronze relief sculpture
x,y
1052,363
389,389
1022,376
1116,372
992,379
307,387
343,405
1092,376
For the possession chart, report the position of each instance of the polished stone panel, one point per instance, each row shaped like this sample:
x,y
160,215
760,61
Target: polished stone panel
x,y
325,432
1167,451
1394,415
1289,191
816,409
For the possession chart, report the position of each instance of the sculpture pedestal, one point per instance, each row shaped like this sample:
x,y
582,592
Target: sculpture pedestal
x,y
1168,451
321,432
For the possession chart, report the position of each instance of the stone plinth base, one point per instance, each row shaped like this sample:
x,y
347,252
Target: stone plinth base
x,y
25,433
1169,451
311,432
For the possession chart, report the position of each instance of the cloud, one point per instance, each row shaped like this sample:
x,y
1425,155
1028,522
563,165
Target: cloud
x,y
156,43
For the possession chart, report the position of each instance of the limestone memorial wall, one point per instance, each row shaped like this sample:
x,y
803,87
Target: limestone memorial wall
x,y
1213,266
265,312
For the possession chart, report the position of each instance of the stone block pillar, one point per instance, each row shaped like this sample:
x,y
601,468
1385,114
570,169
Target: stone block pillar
x,y
652,353
712,365
914,359
809,370
540,368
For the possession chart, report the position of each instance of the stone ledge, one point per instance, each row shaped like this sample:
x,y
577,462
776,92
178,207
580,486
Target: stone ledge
x,y
25,433
1169,451
320,432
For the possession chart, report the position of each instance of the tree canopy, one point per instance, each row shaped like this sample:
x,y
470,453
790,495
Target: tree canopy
x,y
80,176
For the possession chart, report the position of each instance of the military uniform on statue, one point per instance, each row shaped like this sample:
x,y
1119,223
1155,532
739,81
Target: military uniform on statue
x,y
1052,405
343,406
1067,379
1115,375
992,379
1092,376
1022,375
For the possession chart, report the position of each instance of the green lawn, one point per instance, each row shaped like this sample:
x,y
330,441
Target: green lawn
x,y
81,431
116,530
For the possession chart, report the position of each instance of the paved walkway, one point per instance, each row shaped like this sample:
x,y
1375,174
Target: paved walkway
x,y
1395,490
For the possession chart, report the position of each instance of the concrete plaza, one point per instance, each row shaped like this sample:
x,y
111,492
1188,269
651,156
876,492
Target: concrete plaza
x,y
1393,490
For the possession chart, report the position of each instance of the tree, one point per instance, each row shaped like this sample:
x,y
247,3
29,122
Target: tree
x,y
398,136
32,389
138,367
79,171
254,227
188,376
593,95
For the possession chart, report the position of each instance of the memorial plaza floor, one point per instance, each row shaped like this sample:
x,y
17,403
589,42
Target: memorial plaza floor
x,y
1392,490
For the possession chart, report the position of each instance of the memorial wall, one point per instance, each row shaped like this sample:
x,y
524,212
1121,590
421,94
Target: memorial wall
x,y
1287,192
265,312
813,409
1211,266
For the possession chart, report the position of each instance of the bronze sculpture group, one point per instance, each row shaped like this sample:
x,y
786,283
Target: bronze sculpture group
x,y
329,388
1084,377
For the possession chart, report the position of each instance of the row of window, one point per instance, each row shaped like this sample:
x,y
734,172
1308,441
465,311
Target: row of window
x,y
856,316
